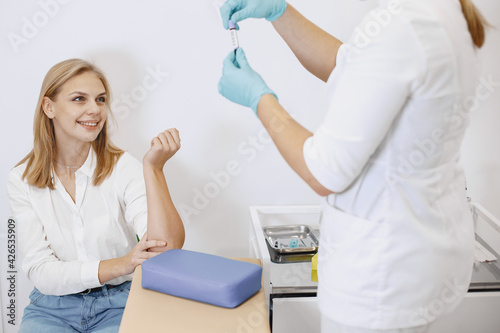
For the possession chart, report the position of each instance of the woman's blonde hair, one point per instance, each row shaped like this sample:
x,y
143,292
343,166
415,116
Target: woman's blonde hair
x,y
40,161
475,21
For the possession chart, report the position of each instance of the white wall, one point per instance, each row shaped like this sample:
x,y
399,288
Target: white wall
x,y
183,42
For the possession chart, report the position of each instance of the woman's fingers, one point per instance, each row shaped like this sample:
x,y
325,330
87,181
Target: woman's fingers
x,y
153,243
155,141
175,136
156,243
144,256
170,139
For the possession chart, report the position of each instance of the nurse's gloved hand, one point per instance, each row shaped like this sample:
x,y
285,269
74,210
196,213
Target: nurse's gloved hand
x,y
240,83
238,10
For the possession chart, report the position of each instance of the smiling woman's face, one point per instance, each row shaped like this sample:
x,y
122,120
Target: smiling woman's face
x,y
79,109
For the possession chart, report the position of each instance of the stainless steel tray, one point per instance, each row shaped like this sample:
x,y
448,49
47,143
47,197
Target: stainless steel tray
x,y
296,238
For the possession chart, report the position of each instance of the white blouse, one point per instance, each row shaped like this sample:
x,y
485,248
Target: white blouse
x,y
61,242
396,246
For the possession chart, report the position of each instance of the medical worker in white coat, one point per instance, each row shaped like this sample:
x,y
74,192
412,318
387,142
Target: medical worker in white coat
x,y
396,247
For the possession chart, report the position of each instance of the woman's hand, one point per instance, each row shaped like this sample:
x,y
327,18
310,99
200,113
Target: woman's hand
x,y
112,268
139,254
163,147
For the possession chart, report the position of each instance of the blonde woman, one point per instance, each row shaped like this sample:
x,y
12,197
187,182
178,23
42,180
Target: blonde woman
x,y
397,238
79,202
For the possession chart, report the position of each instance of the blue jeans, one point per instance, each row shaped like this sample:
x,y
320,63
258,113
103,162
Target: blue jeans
x,y
99,311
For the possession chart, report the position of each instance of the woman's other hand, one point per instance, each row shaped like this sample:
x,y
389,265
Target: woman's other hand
x,y
139,253
163,147
112,268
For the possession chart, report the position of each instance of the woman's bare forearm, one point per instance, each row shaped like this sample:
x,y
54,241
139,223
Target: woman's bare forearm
x,y
289,137
314,48
164,222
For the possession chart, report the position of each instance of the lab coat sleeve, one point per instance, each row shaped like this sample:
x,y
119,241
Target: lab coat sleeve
x,y
50,275
372,81
133,188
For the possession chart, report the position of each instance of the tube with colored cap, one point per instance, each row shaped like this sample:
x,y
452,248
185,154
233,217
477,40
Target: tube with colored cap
x,y
234,35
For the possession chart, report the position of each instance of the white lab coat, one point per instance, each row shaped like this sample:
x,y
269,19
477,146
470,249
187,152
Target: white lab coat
x,y
396,247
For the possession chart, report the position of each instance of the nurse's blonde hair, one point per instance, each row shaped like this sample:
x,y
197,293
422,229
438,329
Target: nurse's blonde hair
x,y
40,161
475,21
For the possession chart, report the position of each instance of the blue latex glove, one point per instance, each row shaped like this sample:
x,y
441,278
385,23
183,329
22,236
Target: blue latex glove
x,y
238,10
240,83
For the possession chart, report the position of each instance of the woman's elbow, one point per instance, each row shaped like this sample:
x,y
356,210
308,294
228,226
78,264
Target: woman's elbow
x,y
317,187
321,190
178,241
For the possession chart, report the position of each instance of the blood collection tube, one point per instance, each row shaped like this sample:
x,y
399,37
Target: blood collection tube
x,y
234,35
